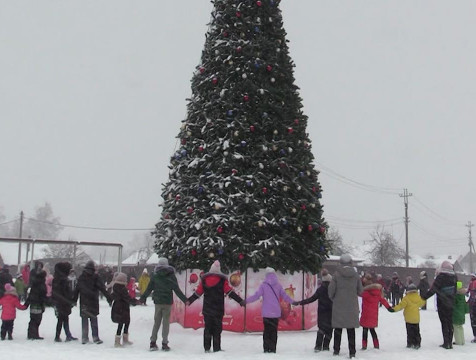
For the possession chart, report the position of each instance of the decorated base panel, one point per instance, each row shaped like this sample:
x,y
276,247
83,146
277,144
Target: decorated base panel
x,y
239,319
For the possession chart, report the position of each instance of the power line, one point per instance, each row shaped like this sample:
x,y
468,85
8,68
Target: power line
x,y
89,227
440,217
8,222
362,186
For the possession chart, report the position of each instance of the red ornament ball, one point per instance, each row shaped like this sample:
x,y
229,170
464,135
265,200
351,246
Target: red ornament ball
x,y
269,68
215,80
234,171
177,197
252,128
259,3
193,252
265,190
183,141
290,130
309,227
296,121
246,98
225,33
238,14
219,229
193,278
303,207
241,256
239,48
200,148
190,209
322,229
202,70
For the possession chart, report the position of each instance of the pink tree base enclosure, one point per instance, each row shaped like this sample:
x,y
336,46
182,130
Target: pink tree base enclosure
x,y
248,319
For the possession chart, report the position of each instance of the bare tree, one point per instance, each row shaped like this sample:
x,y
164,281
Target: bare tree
x,y
141,241
43,225
384,248
429,262
337,242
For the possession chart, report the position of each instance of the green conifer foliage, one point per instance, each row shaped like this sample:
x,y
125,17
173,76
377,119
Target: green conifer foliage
x,y
242,186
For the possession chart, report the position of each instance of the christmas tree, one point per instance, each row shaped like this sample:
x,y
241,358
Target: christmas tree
x,y
242,186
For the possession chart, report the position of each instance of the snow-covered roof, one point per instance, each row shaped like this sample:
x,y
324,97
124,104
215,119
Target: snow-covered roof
x,y
137,257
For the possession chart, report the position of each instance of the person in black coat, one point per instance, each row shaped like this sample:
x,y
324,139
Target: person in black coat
x,y
37,300
5,278
324,312
87,289
423,286
445,288
120,312
62,299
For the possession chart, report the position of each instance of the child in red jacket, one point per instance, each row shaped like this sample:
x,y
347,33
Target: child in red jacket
x,y
132,287
9,303
372,297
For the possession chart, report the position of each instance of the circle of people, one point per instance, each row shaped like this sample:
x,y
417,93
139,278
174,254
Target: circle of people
x,y
337,295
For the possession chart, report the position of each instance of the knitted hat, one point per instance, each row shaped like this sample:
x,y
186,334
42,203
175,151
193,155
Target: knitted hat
x,y
395,275
9,289
121,278
163,261
473,275
269,270
446,267
411,287
215,268
90,265
459,285
423,275
345,259
327,277
145,271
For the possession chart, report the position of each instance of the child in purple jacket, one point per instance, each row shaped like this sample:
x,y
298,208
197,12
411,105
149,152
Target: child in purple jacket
x,y
271,291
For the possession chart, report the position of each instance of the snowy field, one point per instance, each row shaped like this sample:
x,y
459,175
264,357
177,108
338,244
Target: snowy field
x,y
187,343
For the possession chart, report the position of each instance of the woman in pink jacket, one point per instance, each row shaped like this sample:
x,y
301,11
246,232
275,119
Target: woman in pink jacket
x,y
9,303
271,291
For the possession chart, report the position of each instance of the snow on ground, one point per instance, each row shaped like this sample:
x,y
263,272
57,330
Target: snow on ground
x,y
187,343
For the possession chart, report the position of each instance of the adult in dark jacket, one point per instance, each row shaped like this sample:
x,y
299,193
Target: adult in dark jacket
x,y
120,312
324,312
87,289
37,300
445,288
423,286
62,297
5,278
214,286
344,290
396,289
162,283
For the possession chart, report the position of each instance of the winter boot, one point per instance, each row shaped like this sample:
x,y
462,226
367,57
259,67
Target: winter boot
x,y
58,339
165,347
117,341
364,345
153,346
376,344
10,337
125,340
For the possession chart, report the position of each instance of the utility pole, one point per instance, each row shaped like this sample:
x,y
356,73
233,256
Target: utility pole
x,y
20,235
405,196
471,247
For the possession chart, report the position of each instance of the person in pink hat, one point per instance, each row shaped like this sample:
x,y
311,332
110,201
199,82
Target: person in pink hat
x,y
213,286
9,303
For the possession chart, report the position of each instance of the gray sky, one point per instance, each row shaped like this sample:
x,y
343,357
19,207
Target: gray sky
x,y
92,95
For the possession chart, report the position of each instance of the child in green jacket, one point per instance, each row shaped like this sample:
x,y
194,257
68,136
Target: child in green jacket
x,y
460,309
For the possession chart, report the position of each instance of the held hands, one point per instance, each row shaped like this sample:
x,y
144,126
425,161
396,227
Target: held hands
x,y
391,310
242,303
296,303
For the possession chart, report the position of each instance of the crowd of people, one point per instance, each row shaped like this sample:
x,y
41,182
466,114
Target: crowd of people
x,y
338,296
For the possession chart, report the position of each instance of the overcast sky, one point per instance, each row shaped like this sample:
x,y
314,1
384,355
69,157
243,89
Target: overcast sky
x,y
92,94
